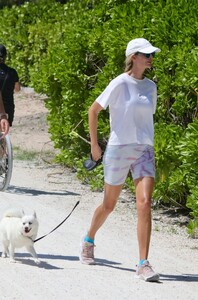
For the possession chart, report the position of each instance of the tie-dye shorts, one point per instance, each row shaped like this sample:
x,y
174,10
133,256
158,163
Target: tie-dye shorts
x,y
118,160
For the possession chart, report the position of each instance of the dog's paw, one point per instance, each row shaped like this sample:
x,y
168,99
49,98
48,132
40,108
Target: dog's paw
x,y
3,255
12,260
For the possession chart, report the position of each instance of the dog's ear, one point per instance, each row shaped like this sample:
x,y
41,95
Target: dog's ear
x,y
35,215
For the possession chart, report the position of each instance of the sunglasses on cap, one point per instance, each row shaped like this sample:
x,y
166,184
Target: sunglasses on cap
x,y
147,55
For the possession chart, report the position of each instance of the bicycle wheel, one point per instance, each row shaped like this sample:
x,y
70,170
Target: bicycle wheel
x,y
6,162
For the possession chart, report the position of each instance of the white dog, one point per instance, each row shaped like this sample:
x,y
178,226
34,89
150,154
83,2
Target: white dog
x,y
18,230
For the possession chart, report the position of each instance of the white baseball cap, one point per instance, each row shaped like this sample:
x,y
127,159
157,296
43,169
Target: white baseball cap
x,y
140,45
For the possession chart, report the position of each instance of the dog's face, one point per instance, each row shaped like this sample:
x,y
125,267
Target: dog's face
x,y
29,225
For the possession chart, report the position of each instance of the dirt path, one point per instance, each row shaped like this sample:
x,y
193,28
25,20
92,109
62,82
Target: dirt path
x,y
52,192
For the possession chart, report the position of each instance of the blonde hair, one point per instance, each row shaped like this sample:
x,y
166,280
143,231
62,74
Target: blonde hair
x,y
128,63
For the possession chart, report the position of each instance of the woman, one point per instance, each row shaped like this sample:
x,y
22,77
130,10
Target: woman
x,y
131,98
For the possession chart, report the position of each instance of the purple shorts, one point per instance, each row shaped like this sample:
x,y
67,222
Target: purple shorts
x,y
118,160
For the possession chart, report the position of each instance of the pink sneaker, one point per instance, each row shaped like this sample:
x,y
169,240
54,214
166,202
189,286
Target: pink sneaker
x,y
146,272
87,253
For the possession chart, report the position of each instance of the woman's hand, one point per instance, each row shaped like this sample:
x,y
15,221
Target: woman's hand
x,y
4,126
96,152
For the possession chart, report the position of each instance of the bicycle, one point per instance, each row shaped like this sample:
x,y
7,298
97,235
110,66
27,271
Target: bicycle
x,y
6,161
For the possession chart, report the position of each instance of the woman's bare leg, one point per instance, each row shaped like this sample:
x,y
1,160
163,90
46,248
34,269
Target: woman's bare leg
x,y
144,188
111,194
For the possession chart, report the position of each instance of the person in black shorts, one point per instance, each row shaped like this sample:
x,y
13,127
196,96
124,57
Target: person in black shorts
x,y
9,83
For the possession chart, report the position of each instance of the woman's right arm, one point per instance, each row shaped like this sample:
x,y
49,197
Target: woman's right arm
x,y
93,112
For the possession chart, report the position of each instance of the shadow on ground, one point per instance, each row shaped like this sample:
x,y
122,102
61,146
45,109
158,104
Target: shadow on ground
x,y
27,259
182,277
33,192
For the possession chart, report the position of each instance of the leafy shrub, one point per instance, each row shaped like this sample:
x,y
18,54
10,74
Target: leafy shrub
x,y
189,157
192,203
170,180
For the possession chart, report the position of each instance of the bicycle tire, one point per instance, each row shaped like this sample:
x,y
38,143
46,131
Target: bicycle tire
x,y
6,162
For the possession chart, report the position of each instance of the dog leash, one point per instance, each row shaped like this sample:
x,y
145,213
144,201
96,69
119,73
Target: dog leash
x,y
58,224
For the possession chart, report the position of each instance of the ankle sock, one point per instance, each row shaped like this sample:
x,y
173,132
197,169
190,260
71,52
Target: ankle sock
x,y
87,239
141,262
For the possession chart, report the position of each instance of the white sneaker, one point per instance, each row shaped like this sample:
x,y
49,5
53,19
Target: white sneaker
x,y
86,255
145,272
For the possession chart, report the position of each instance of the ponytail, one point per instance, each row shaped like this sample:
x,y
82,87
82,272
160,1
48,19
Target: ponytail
x,y
128,63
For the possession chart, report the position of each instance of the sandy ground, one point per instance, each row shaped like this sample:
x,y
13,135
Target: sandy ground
x,y
52,192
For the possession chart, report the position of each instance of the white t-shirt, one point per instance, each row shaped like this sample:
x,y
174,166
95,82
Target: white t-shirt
x,y
132,103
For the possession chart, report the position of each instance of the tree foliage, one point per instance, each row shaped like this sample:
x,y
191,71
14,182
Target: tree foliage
x,y
71,51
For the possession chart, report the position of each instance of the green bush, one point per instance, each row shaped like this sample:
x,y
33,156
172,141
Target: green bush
x,y
192,203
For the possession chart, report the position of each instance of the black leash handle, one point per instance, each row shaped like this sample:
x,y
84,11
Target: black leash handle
x,y
58,224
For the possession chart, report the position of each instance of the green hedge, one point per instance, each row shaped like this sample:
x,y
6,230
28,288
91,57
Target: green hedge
x,y
70,52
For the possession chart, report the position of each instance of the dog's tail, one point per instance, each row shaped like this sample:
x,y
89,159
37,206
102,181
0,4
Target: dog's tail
x,y
13,213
